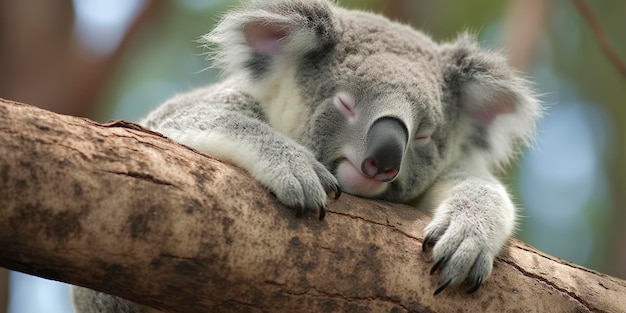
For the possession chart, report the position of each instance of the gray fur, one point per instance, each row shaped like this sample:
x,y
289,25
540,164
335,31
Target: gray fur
x,y
304,82
91,301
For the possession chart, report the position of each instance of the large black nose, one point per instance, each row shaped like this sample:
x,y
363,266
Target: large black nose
x,y
386,141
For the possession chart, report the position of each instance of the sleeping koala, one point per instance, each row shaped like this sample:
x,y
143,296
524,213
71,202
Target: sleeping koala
x,y
317,99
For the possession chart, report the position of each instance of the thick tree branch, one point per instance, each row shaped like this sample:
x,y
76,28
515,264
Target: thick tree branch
x,y
131,213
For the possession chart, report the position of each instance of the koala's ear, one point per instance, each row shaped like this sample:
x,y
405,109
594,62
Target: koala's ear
x,y
256,36
499,104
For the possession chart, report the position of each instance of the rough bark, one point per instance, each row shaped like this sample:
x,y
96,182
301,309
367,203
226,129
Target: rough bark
x,y
123,210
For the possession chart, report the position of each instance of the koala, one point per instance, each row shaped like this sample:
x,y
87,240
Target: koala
x,y
316,99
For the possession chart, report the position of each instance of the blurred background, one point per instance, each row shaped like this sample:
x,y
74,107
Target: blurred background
x,y
118,59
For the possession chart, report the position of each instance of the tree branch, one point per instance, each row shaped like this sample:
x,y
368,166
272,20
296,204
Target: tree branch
x,y
524,23
67,78
128,212
605,45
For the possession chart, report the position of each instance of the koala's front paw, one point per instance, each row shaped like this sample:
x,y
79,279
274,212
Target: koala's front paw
x,y
301,182
463,250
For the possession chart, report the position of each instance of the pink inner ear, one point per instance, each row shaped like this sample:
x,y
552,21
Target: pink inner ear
x,y
496,107
267,39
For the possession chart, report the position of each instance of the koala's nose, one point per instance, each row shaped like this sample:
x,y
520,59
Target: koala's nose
x,y
386,141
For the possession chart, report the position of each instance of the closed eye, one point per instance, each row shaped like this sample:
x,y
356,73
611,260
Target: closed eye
x,y
421,138
346,105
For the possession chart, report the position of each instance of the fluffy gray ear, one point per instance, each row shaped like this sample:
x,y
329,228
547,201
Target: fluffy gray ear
x,y
501,109
263,32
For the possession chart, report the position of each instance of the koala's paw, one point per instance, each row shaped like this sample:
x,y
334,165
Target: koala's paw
x,y
301,182
462,252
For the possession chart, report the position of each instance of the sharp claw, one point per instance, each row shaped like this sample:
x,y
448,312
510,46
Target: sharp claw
x,y
322,212
427,243
475,286
337,192
437,265
299,212
442,287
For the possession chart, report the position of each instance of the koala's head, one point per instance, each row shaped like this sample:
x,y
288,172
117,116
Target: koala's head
x,y
379,103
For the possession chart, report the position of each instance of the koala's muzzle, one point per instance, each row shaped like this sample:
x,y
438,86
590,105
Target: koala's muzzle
x,y
386,142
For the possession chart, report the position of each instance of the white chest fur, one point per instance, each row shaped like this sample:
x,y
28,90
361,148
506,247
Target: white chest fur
x,y
282,103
